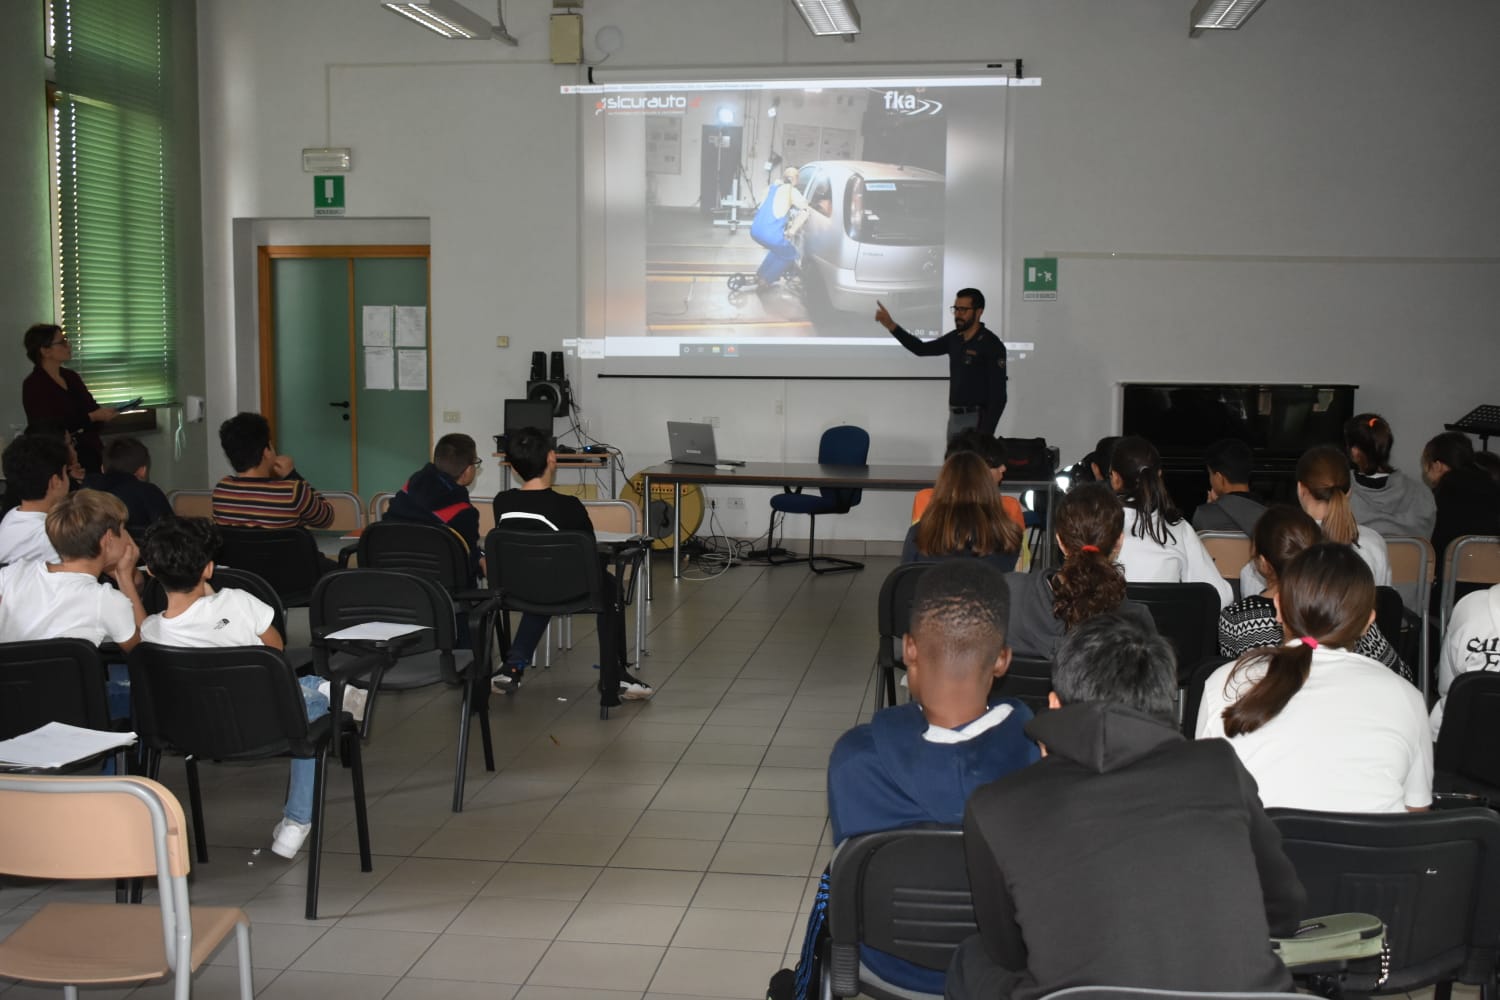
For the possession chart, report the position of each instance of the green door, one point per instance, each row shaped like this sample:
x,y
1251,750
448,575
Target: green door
x,y
349,427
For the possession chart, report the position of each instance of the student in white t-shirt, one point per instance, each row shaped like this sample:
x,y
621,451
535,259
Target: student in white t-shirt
x,y
1159,546
179,554
1318,726
1472,642
36,474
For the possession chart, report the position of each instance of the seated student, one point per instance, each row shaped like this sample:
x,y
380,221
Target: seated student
x,y
1160,546
265,490
1383,499
1318,725
1466,496
1251,622
1472,642
537,506
1090,526
1098,459
1128,856
1231,506
919,762
36,476
992,450
965,519
438,493
127,464
179,553
55,430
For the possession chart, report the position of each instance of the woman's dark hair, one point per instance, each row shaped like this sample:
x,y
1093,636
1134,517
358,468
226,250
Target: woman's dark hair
x,y
1100,457
1372,436
1453,449
1282,533
1139,466
1088,521
965,513
1324,472
38,339
1327,594
176,549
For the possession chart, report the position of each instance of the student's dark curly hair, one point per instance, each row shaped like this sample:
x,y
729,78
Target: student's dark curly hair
x,y
1089,521
176,549
245,438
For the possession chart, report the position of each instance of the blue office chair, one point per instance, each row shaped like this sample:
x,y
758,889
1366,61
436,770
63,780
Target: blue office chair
x,y
843,445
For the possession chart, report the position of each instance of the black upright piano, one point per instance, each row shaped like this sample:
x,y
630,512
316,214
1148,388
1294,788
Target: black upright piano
x,y
1279,422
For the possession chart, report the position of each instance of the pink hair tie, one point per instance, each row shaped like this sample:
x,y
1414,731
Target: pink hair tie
x,y
1309,642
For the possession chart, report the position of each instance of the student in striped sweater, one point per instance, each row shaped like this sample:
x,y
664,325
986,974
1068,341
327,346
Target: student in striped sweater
x,y
265,490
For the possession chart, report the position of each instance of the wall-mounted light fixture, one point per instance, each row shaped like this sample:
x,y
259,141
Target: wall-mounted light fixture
x,y
1220,15
452,19
829,17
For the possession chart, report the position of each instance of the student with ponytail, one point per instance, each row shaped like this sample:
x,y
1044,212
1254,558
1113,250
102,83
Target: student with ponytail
x,y
1317,725
1090,525
1384,499
1323,483
1160,546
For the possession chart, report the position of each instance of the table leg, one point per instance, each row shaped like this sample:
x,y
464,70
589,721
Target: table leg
x,y
676,530
645,516
1051,498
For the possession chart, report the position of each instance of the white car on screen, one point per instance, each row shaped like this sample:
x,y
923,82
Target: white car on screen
x,y
875,231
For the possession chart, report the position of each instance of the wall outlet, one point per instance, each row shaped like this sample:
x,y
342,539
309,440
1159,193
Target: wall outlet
x,y
502,341
735,503
452,416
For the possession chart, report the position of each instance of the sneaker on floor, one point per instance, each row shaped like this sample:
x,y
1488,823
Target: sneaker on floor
x,y
354,702
634,689
507,680
287,838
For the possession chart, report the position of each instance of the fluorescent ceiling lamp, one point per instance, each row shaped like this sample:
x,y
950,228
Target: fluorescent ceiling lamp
x,y
829,17
1221,15
451,19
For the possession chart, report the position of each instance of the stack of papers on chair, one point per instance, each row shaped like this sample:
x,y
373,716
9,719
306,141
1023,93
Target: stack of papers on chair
x,y
57,744
376,631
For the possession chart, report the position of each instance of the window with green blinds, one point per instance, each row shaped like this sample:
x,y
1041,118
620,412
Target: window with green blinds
x,y
113,142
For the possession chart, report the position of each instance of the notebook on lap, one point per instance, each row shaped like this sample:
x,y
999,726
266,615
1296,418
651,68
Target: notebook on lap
x,y
693,444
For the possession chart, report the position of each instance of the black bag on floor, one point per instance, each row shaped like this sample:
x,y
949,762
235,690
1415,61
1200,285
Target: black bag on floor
x,y
803,982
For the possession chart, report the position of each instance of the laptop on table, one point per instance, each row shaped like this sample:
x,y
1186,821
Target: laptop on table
x,y
693,444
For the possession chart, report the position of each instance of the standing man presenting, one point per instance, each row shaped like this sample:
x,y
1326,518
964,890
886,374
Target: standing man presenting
x,y
976,363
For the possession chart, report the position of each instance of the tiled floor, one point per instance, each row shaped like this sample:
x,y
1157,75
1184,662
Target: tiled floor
x,y
668,852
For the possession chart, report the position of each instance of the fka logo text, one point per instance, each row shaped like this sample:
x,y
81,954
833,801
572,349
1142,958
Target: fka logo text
x,y
642,104
910,104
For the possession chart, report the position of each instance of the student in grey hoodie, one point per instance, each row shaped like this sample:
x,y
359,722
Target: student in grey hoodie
x,y
1389,502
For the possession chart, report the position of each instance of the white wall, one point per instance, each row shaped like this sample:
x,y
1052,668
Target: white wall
x,y
1307,199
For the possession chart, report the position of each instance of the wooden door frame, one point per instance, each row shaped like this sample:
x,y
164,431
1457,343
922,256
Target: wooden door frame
x,y
267,253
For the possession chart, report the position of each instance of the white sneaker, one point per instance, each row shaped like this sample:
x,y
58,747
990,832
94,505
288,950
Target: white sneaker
x,y
287,838
354,702
634,689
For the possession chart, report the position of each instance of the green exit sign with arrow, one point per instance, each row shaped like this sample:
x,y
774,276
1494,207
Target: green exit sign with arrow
x,y
328,195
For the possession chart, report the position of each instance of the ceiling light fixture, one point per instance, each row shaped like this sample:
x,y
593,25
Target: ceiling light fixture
x,y
1220,15
452,19
829,17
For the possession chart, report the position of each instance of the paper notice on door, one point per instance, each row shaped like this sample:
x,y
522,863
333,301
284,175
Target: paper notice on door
x,y
380,368
411,369
377,326
411,326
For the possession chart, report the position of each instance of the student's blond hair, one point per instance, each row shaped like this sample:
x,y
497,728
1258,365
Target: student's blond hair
x,y
77,525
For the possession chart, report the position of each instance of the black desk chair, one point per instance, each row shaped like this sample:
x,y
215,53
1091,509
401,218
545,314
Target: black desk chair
x,y
1434,878
240,703
1467,758
903,892
421,659
287,559
54,680
893,620
842,445
559,573
430,551
1029,681
1190,695
1186,615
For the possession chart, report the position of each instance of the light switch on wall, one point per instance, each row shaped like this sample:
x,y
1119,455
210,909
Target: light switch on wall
x,y
502,341
452,416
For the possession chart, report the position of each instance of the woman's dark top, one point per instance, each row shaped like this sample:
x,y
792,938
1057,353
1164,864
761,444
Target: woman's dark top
x,y
44,399
1002,561
1035,629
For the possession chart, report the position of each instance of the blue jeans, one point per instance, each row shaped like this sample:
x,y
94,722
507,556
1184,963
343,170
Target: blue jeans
x,y
299,795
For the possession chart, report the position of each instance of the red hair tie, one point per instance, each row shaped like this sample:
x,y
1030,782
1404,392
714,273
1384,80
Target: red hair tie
x,y
1088,548
1309,642
1372,423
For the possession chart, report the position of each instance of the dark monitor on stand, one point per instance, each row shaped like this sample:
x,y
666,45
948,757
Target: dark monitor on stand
x,y
523,413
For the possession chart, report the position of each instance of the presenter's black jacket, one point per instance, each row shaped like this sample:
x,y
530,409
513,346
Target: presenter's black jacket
x,y
976,369
1127,856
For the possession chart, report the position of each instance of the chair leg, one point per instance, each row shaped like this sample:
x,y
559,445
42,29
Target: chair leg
x,y
361,815
195,799
247,974
831,564
315,853
772,551
461,766
482,709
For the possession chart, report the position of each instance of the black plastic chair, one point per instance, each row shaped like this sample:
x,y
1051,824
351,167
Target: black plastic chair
x,y
1029,681
1190,696
1467,757
1434,878
903,892
358,596
893,620
558,573
427,550
154,598
54,680
287,559
239,703
1137,993
842,445
1186,615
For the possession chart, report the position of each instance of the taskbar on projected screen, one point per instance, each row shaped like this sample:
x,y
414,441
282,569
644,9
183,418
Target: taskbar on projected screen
x,y
761,347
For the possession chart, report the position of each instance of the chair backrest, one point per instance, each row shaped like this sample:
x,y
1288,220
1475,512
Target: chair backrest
x,y
348,512
90,828
218,703
431,551
287,559
1140,993
1413,568
544,572
1029,680
51,680
893,612
192,503
379,504
843,445
1186,615
1468,745
1469,559
904,892
358,596
1229,550
1191,696
1434,878
614,515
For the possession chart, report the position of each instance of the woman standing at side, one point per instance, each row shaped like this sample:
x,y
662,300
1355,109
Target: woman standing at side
x,y
52,392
